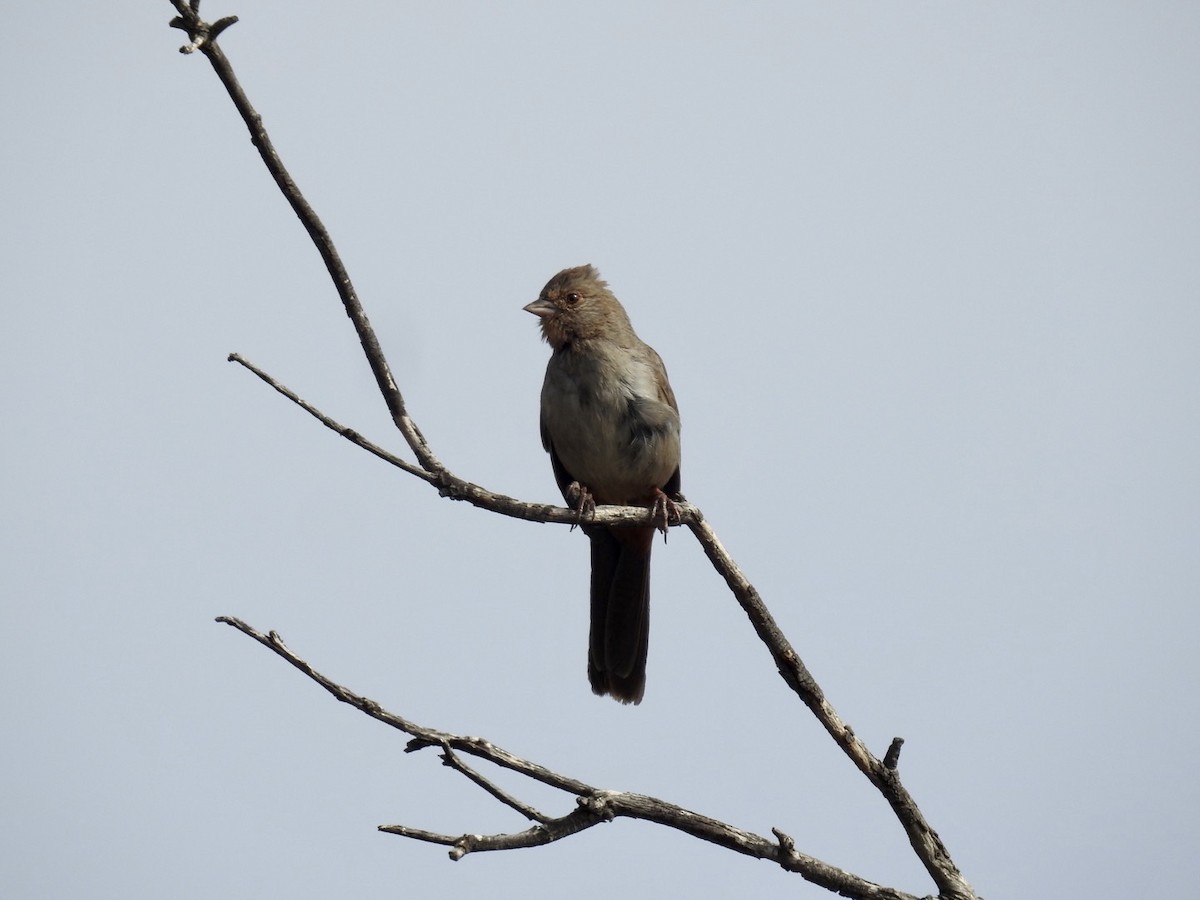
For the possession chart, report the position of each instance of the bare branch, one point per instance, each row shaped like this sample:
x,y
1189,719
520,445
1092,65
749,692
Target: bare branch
x,y
594,806
345,431
423,737
450,485
450,758
542,833
925,842
204,40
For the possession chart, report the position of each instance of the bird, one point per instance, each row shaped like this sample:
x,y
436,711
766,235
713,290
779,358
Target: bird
x,y
610,422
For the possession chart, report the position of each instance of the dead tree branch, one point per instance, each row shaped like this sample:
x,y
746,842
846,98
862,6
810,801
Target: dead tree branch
x,y
595,806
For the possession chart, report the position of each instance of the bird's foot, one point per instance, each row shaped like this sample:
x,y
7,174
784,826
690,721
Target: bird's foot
x,y
580,499
664,510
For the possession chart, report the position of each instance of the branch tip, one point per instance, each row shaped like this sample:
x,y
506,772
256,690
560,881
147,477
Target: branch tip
x,y
202,35
220,25
891,759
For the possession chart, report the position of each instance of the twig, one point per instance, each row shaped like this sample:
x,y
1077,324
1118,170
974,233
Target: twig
x,y
344,430
450,758
450,485
204,40
422,737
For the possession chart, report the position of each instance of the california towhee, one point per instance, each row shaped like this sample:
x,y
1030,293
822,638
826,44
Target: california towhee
x,y
611,426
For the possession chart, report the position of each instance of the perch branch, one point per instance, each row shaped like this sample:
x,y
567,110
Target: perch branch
x,y
450,485
884,775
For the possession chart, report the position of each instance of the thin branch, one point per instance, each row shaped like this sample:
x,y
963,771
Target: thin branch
x,y
594,806
344,430
543,833
419,834
423,737
204,39
450,485
923,839
450,758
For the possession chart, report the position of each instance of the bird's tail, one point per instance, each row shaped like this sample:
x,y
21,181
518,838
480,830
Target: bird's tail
x,y
620,627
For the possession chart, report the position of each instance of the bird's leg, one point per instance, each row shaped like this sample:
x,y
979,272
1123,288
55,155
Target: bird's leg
x,y
580,499
663,511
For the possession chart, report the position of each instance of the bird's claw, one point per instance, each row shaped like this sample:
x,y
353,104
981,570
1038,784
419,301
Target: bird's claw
x,y
664,510
580,499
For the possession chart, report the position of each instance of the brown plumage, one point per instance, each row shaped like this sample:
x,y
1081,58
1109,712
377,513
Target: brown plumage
x,y
611,426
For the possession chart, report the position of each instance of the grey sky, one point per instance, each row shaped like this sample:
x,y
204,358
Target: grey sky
x,y
924,276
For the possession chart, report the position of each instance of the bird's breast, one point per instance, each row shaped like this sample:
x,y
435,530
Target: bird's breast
x,y
608,427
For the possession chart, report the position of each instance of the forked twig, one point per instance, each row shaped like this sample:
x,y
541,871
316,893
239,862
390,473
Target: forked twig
x,y
593,805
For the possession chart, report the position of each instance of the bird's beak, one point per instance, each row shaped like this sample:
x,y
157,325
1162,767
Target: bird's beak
x,y
541,307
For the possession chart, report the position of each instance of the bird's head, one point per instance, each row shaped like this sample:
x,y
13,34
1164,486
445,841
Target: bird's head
x,y
576,305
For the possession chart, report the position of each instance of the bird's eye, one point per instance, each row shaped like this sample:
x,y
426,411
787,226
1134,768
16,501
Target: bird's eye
x,y
572,298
